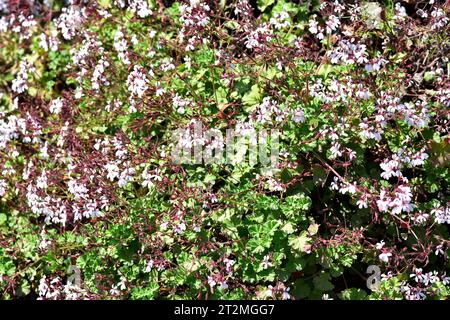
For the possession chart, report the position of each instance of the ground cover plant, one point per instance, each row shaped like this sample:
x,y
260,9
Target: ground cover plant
x,y
93,204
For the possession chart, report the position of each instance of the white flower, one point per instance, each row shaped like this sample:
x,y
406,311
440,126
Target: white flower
x,y
362,202
126,176
56,106
335,150
335,184
3,24
440,19
298,116
140,7
43,244
70,20
286,295
421,218
351,188
385,256
2,187
137,81
212,283
113,171
269,291
148,179
229,264
375,65
97,76
400,12
326,297
122,284
274,185
441,214
180,103
41,181
164,225
417,159
121,46
280,20
79,190
332,23
383,201
180,228
257,37
402,199
78,93
314,28
390,168
181,110
20,83
266,262
149,265
380,245
417,275
439,250
114,290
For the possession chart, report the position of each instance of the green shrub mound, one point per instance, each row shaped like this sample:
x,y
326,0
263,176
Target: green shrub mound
x,y
94,203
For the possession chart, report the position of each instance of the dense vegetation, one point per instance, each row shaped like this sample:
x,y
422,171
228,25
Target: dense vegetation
x,y
93,205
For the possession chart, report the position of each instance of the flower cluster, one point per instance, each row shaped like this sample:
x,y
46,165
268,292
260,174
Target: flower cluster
x,y
112,112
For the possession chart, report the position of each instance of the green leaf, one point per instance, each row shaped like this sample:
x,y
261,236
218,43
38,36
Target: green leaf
x,y
252,97
300,243
146,293
231,25
301,289
353,294
295,205
313,228
429,76
263,4
105,3
325,69
288,228
3,218
24,288
255,246
322,282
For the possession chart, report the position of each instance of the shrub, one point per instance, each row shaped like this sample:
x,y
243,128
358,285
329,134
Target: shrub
x,y
93,204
